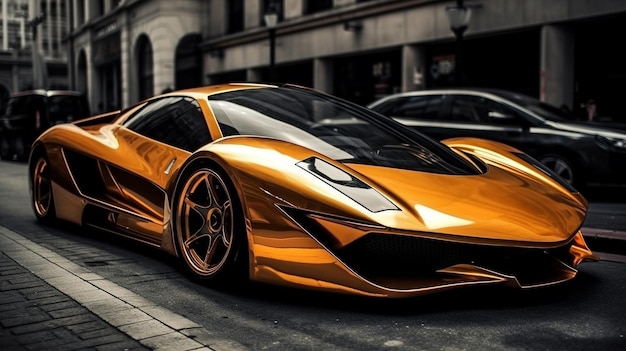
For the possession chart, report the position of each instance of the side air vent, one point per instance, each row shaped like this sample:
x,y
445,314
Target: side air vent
x,y
84,171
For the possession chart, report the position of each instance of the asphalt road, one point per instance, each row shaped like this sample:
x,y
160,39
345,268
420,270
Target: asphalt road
x,y
584,314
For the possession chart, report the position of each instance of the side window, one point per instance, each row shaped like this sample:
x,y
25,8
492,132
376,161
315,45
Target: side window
x,y
176,121
500,114
477,109
466,109
418,107
66,108
26,104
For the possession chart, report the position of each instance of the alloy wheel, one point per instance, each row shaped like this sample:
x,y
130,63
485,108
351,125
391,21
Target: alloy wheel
x,y
560,166
42,189
206,223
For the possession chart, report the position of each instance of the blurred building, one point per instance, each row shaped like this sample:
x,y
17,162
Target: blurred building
x,y
126,51
563,51
20,67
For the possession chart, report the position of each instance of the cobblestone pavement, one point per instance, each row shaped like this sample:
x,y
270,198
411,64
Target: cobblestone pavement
x,y
36,316
48,302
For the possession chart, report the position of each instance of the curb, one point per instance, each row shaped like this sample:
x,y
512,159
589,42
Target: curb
x,y
605,240
152,326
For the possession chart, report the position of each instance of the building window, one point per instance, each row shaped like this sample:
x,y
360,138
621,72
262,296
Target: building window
x,y
99,5
80,12
313,6
235,16
145,69
188,62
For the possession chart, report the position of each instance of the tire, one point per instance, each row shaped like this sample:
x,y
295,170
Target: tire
x,y
21,150
5,147
209,225
562,167
42,198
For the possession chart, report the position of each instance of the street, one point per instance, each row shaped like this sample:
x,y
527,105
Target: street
x,y
584,314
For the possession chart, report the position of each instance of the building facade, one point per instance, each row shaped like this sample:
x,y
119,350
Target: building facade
x,y
563,51
28,24
125,51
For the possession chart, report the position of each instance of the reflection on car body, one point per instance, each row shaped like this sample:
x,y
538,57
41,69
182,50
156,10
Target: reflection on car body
x,y
287,185
581,153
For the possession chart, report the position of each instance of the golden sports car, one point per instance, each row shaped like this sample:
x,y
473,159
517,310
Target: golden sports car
x,y
287,185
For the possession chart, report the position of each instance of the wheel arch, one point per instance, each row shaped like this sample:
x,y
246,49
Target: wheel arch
x,y
219,164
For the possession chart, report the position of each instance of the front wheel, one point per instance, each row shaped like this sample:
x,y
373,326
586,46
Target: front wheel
x,y
209,225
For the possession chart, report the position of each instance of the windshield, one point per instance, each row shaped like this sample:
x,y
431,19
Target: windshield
x,y
332,127
543,109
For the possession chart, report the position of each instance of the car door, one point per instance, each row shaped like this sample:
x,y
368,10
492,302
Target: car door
x,y
153,143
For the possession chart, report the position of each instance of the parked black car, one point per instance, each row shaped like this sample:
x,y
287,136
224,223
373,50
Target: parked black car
x,y
31,112
583,154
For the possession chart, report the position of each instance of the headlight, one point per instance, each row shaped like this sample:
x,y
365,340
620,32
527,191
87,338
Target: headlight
x,y
612,144
347,184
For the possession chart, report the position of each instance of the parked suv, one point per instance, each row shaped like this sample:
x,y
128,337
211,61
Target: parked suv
x,y
581,153
29,113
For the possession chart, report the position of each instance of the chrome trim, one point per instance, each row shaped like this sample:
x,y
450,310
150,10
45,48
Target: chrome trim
x,y
169,167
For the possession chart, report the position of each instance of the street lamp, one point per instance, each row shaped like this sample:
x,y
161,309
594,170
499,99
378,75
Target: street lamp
x,y
458,17
271,19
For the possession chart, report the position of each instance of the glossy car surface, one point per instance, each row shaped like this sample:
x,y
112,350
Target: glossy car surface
x,y
30,112
289,186
581,153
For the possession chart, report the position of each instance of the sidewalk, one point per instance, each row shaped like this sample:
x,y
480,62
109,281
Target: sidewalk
x,y
48,302
36,316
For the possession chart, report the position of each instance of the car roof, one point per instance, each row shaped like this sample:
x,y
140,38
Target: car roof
x,y
43,92
511,97
502,93
215,89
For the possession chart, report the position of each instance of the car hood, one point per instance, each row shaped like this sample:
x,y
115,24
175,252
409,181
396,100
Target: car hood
x,y
498,205
511,202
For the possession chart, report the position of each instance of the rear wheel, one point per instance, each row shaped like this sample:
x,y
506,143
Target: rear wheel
x,y
5,147
20,148
42,198
562,167
209,226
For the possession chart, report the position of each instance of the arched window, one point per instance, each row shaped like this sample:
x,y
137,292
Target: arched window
x,y
188,62
81,73
145,68
235,15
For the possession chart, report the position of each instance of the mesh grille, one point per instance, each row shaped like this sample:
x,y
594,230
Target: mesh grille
x,y
404,256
